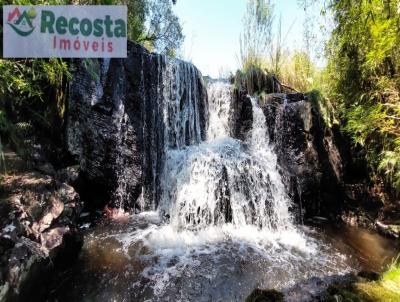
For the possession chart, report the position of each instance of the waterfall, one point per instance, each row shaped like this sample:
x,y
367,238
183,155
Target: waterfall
x,y
224,180
222,224
123,174
212,219
221,198
220,95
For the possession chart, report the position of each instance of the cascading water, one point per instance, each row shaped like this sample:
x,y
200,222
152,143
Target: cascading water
x,y
222,226
122,176
220,95
181,109
222,203
224,180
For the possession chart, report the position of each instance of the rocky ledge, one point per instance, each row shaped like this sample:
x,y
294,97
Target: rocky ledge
x,y
323,179
311,155
38,231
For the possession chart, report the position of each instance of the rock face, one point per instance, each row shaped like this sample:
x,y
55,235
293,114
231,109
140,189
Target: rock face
x,y
310,154
119,121
242,115
38,233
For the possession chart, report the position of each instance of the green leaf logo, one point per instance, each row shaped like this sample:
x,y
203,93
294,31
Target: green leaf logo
x,y
22,23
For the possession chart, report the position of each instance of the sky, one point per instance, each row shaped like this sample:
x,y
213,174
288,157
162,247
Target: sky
x,y
212,29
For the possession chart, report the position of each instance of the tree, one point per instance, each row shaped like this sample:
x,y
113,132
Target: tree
x,y
164,32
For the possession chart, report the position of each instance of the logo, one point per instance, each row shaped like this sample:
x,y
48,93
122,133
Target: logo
x,y
65,31
22,23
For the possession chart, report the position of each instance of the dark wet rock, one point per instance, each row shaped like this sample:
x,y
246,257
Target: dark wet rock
x,y
312,290
312,156
391,230
310,161
46,168
309,153
371,276
223,204
53,210
242,116
38,233
362,208
27,268
345,289
117,118
68,175
54,237
262,295
357,217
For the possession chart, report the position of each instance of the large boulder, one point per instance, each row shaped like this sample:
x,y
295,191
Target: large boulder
x,y
122,113
38,233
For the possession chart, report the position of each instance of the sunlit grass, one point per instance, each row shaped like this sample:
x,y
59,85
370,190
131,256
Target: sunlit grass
x,y
387,289
391,278
384,289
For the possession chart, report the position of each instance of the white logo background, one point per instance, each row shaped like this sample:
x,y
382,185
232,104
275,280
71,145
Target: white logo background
x,y
41,45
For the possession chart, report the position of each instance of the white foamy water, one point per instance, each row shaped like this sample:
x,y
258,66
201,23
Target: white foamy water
x,y
153,261
224,180
220,96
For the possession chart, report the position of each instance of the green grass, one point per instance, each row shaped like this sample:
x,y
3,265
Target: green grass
x,y
391,277
377,291
386,288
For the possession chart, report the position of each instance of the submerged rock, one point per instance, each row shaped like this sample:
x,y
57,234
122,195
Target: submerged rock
x,y
263,295
119,123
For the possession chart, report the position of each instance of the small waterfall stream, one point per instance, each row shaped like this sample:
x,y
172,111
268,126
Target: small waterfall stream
x,y
222,226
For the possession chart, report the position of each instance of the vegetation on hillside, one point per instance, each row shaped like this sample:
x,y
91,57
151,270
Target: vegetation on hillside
x,y
32,98
364,80
262,53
